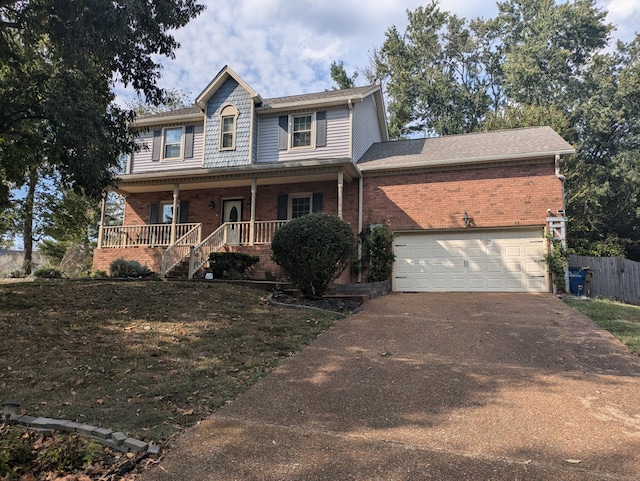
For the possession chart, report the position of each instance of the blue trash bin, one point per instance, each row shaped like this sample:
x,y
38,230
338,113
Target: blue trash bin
x,y
577,276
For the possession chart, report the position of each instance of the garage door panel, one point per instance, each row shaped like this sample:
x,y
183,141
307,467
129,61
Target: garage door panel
x,y
508,260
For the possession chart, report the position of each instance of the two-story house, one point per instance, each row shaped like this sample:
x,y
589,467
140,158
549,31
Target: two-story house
x,y
469,211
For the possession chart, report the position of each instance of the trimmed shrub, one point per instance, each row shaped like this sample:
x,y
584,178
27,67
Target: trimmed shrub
x,y
313,251
48,273
231,265
124,268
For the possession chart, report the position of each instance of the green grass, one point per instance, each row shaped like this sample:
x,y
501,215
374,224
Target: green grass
x,y
147,358
621,320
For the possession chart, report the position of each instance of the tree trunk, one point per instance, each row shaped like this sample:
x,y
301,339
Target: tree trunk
x,y
27,234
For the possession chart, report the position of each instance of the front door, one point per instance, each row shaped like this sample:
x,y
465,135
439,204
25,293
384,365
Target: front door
x,y
232,212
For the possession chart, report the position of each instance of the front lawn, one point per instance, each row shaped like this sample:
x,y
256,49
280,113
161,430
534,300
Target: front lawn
x,y
148,358
621,320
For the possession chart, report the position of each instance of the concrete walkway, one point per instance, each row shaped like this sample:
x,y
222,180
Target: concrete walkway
x,y
433,387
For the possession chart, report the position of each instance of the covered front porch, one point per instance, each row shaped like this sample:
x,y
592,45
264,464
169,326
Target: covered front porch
x,y
170,225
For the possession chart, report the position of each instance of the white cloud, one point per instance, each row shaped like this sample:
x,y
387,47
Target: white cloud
x,y
280,47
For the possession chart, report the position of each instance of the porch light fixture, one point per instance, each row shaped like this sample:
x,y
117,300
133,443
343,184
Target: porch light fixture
x,y
212,205
9,408
466,219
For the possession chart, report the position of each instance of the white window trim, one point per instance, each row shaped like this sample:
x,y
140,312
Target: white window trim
x,y
180,156
312,144
228,110
300,195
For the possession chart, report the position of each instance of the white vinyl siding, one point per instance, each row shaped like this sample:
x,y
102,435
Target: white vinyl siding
x,y
337,140
465,261
366,130
142,162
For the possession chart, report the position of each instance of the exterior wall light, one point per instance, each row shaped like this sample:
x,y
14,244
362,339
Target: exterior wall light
x,y
9,408
466,219
212,205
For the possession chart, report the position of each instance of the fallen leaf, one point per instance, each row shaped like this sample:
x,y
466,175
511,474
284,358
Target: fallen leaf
x,y
100,401
573,461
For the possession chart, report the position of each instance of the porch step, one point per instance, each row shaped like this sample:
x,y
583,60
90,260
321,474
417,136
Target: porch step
x,y
181,271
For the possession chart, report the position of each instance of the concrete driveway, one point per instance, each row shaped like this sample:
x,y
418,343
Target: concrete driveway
x,y
433,387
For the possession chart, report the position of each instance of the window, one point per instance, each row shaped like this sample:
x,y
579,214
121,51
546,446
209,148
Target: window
x,y
166,212
228,117
301,135
172,143
300,205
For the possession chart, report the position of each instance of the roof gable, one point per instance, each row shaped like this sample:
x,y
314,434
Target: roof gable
x,y
218,81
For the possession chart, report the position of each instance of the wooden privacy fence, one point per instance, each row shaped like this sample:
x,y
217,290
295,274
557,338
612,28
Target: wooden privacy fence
x,y
613,277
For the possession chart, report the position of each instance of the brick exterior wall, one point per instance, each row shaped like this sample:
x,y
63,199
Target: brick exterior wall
x,y
147,256
499,196
492,196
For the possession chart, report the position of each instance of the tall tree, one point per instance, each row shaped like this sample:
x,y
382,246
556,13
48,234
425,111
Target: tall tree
x,y
340,76
58,62
437,83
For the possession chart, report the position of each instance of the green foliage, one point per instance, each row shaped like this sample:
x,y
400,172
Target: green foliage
x,y
72,453
15,451
378,246
340,77
124,268
51,48
313,250
33,452
231,265
538,62
47,272
557,260
53,250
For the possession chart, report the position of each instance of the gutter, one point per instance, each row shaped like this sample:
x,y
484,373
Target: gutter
x,y
469,160
149,122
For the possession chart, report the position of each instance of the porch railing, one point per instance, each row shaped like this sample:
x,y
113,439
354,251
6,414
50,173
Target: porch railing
x,y
180,249
153,235
232,233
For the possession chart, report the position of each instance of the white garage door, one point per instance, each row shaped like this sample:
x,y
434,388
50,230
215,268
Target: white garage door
x,y
489,261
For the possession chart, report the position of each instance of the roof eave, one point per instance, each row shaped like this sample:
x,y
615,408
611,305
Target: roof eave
x,y
471,160
169,119
315,103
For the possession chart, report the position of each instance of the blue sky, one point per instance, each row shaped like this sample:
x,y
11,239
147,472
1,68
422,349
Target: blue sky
x,y
285,47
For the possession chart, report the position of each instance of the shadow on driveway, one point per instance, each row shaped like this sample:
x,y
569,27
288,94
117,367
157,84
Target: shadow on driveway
x,y
433,386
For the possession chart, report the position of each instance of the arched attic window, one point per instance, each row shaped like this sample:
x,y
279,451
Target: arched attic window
x,y
228,121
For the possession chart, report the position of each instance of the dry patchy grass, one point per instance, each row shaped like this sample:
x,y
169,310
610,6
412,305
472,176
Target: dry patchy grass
x,y
146,358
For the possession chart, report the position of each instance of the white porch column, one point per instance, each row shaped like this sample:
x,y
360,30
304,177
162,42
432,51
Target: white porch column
x,y
340,189
103,206
176,193
252,224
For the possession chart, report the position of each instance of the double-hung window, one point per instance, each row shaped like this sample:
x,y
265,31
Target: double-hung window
x,y
228,123
301,131
172,143
300,205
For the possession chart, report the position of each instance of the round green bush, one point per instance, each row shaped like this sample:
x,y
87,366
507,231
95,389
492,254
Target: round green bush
x,y
313,250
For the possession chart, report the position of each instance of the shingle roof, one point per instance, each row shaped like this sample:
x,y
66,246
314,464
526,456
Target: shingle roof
x,y
503,144
327,95
193,109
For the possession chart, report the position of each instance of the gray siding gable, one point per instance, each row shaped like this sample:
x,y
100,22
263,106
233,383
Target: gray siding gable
x,y
230,92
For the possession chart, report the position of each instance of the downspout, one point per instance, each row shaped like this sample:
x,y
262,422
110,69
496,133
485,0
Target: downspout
x,y
360,187
360,206
562,179
103,206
